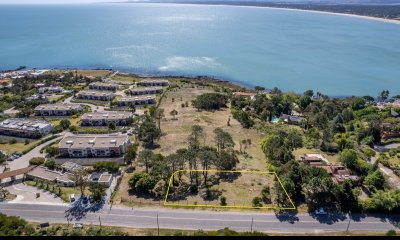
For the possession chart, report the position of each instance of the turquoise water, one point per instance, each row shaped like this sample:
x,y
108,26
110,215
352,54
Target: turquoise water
x,y
275,119
292,50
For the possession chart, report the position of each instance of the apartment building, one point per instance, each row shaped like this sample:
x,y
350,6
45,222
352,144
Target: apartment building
x,y
154,82
95,145
108,86
96,95
146,91
137,100
57,109
23,127
120,118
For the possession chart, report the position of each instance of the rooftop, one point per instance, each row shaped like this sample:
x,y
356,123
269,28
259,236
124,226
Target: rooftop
x,y
138,98
146,89
44,173
96,93
58,107
104,84
92,141
107,115
24,124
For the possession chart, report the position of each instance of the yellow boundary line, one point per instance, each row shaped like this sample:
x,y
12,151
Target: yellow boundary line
x,y
293,207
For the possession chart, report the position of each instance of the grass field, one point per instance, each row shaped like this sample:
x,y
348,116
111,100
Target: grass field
x,y
177,131
19,146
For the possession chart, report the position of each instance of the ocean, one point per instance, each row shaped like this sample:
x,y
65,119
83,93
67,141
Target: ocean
x,y
292,50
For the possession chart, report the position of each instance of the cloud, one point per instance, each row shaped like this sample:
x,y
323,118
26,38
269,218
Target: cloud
x,y
188,63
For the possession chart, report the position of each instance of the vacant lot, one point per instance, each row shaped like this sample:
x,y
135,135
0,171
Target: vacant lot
x,y
177,130
19,146
239,189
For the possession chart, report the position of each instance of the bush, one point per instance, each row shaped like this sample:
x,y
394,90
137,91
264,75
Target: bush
x,y
391,233
223,200
111,167
50,163
12,141
36,161
257,202
193,189
266,194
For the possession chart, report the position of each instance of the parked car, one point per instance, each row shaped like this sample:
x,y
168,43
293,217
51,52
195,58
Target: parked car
x,y
78,225
320,211
85,200
72,198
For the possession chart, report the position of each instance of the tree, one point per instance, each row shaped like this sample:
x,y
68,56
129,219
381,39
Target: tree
x,y
158,115
145,157
36,161
278,146
210,101
384,95
375,180
142,182
14,226
320,193
3,158
112,126
80,177
226,160
358,103
259,88
173,113
208,156
347,199
148,132
130,153
223,139
132,107
222,200
65,123
52,151
266,194
50,163
349,158
243,117
111,167
98,191
197,133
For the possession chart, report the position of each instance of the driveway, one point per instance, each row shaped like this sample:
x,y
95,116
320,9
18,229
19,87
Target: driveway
x,y
92,106
23,161
27,194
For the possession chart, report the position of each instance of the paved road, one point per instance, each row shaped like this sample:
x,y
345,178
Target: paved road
x,y
23,161
206,220
94,108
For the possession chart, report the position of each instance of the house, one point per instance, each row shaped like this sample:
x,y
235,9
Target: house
x,y
393,113
57,109
340,174
51,89
120,118
154,82
96,95
23,127
45,174
289,119
104,178
137,100
5,83
146,91
92,146
104,86
70,167
314,159
245,94
37,97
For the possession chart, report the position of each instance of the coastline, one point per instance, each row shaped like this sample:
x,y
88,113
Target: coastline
x,y
281,8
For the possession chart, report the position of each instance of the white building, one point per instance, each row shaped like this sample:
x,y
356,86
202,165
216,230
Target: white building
x,y
21,127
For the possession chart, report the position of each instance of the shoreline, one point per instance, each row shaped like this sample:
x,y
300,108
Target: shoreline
x,y
392,21
191,77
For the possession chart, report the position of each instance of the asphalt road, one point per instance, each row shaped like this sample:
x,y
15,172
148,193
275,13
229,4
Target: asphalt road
x,y
206,220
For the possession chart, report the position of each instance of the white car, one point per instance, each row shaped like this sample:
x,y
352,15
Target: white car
x,y
72,198
320,211
78,225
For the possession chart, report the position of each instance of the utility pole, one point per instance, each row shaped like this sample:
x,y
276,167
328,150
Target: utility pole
x,y
100,221
158,226
348,225
251,228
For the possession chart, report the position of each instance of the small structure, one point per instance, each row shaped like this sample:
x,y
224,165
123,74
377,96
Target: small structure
x,y
154,82
23,127
5,83
71,167
96,95
245,94
104,86
51,89
119,118
314,159
340,174
37,97
146,91
57,109
42,173
94,146
289,119
138,100
104,178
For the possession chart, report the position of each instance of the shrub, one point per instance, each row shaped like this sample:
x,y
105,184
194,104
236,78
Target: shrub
x,y
266,194
391,233
223,200
257,202
111,167
36,161
12,141
50,163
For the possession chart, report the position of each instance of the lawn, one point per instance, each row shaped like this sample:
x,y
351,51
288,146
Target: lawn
x,y
65,191
125,78
19,146
85,73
